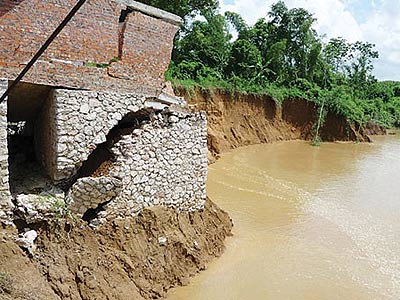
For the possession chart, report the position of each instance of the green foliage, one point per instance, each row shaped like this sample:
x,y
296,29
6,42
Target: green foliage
x,y
101,65
283,56
360,67
60,209
204,43
5,282
95,65
184,8
237,21
57,206
316,141
114,60
302,46
335,54
245,60
383,106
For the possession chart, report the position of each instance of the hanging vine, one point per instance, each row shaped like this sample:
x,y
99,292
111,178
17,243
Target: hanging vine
x,y
322,112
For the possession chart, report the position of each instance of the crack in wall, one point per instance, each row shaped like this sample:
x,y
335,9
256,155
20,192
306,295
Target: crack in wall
x,y
123,18
101,159
93,179
134,164
104,178
92,214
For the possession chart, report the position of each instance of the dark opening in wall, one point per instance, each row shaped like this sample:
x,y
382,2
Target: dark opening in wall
x,y
122,27
25,104
92,213
124,14
101,159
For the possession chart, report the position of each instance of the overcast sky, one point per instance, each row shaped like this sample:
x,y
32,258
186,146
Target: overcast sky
x,y
375,21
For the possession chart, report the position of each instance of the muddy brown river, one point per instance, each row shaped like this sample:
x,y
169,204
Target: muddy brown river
x,y
311,223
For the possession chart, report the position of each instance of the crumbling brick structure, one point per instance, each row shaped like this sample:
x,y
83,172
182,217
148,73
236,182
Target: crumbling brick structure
x,y
90,120
110,45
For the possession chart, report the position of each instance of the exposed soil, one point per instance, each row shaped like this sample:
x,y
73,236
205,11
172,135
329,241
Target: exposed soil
x,y
137,258
375,129
143,257
20,279
240,120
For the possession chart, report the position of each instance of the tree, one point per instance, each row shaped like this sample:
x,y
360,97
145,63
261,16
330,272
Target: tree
x,y
206,43
245,60
360,67
336,53
184,8
303,47
238,23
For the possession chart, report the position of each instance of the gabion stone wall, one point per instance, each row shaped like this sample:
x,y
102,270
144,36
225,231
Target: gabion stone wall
x,y
46,135
5,197
84,119
158,157
89,192
162,163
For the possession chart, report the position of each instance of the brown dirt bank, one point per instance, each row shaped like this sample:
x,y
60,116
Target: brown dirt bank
x,y
375,129
241,120
137,258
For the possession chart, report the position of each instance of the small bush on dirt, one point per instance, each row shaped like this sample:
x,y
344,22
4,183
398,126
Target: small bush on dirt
x,y
5,283
61,210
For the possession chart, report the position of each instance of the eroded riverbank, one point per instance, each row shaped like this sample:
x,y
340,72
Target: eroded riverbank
x,y
132,258
310,223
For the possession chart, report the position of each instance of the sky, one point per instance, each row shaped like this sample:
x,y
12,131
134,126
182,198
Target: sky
x,y
374,21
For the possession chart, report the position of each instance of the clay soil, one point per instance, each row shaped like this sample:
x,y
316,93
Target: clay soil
x,y
137,258
145,256
236,120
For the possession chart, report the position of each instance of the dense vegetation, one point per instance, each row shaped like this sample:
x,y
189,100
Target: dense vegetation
x,y
280,55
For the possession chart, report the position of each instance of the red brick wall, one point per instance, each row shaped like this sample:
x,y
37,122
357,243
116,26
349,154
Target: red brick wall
x,y
91,36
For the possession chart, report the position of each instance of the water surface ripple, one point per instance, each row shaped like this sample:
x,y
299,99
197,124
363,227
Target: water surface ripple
x,y
310,223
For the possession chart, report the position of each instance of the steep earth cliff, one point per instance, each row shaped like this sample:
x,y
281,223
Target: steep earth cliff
x,y
236,120
136,258
143,257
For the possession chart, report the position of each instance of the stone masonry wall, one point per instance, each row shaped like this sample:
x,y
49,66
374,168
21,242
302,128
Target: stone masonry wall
x,y
89,192
46,135
92,37
158,158
5,197
162,163
83,121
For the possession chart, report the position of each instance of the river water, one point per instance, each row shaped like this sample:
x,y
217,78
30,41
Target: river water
x,y
310,223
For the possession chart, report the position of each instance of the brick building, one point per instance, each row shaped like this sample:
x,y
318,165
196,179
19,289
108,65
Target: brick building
x,y
99,82
113,45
